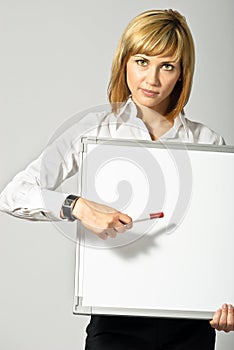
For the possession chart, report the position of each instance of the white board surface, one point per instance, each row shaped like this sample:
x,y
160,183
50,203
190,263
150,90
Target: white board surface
x,y
178,266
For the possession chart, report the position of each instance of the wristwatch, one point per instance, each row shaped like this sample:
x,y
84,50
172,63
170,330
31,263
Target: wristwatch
x,y
68,206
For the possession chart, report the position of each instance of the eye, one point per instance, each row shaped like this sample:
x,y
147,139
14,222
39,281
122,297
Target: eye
x,y
141,62
167,66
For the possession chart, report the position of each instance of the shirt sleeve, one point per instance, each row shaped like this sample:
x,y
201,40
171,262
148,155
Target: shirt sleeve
x,y
200,133
34,193
220,141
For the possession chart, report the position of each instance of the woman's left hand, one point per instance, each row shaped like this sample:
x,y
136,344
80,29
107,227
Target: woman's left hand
x,y
223,319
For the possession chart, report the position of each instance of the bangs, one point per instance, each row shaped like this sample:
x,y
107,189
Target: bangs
x,y
166,42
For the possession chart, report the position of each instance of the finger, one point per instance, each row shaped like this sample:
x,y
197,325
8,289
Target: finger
x,y
120,227
215,321
125,227
125,219
129,225
103,235
111,232
223,318
230,319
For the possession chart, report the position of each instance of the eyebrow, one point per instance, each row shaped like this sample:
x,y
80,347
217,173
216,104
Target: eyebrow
x,y
141,55
148,58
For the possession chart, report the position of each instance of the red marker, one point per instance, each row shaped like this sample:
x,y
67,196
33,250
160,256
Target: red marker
x,y
150,217
156,215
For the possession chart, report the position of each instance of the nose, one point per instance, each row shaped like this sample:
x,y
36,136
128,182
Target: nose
x,y
152,76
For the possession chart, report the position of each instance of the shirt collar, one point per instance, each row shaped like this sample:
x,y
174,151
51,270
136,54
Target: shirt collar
x,y
128,108
184,123
129,111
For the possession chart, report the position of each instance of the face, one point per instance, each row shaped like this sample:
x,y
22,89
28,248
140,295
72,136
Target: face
x,y
151,79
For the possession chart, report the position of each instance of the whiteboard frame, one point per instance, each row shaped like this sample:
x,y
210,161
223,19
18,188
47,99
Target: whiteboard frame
x,y
78,307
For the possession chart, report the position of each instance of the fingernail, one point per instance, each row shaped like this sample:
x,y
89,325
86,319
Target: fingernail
x,y
224,306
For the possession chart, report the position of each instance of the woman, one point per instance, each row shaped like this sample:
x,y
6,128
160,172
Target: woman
x,y
150,85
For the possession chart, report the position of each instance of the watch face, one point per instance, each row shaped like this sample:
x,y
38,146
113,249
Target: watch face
x,y
69,201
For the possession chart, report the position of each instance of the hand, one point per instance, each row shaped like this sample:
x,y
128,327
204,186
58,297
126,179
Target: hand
x,y
223,319
102,220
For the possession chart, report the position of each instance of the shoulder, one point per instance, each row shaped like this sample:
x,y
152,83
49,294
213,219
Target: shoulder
x,y
84,123
203,134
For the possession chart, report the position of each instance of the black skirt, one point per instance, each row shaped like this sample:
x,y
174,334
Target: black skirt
x,y
146,333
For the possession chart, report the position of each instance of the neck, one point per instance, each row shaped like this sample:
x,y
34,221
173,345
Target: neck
x,y
156,123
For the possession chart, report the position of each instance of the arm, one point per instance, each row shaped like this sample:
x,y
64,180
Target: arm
x,y
32,193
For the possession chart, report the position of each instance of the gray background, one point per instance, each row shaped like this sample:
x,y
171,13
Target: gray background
x,y
55,61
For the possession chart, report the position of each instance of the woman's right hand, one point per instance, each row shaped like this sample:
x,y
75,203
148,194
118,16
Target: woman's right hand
x,y
101,219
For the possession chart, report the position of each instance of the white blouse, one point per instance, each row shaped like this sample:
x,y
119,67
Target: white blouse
x,y
25,195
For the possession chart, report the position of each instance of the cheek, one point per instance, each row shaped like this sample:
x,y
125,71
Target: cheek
x,y
171,84
133,77
130,78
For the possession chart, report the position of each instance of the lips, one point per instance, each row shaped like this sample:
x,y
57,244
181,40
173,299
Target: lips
x,y
149,93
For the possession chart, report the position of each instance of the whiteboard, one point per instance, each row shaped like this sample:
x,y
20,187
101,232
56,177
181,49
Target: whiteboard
x,y
177,266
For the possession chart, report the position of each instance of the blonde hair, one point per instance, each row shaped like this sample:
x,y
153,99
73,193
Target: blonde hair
x,y
155,32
